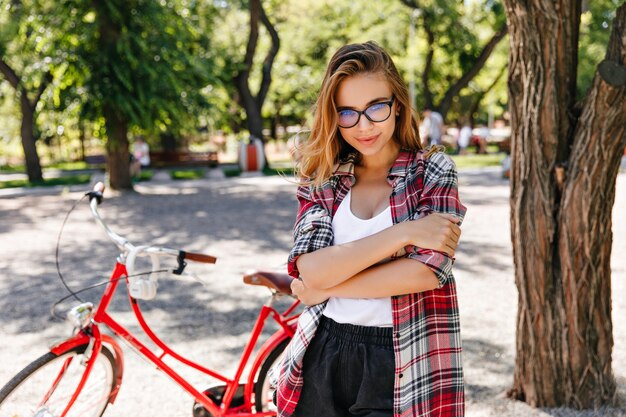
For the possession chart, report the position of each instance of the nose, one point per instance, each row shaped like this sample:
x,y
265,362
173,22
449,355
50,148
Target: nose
x,y
364,123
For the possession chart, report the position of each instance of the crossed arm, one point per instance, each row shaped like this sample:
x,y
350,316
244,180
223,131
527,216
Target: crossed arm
x,y
354,270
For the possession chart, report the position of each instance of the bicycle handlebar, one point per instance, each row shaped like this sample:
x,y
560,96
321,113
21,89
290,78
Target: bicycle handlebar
x,y
199,257
131,251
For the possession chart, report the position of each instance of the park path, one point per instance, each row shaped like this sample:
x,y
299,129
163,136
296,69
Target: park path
x,y
246,223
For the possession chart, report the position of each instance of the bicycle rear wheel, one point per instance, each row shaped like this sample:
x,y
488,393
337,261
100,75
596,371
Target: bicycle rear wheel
x,y
44,387
263,393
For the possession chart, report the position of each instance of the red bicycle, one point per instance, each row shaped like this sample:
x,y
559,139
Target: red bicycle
x,y
83,374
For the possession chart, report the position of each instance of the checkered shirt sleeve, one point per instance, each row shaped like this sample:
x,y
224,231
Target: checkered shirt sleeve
x,y
439,195
313,229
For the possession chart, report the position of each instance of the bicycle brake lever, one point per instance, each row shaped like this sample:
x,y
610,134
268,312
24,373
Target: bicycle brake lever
x,y
96,193
181,263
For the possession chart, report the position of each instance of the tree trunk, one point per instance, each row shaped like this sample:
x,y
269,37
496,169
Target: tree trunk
x,y
118,155
27,130
562,191
254,104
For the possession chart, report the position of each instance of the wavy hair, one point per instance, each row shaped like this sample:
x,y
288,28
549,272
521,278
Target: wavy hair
x,y
325,146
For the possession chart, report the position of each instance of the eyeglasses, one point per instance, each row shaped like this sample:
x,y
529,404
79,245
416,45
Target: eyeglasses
x,y
376,113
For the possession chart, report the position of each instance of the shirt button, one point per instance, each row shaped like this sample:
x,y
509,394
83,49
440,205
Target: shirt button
x,y
400,376
397,335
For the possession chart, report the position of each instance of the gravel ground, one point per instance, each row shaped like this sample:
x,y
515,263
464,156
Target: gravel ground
x,y
246,223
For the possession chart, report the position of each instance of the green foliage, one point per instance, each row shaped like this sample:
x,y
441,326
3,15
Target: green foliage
x,y
63,180
478,161
145,59
171,66
595,29
187,174
232,172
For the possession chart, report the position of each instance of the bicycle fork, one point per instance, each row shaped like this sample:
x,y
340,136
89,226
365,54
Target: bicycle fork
x,y
90,336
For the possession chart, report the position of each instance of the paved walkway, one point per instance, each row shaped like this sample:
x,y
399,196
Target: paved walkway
x,y
246,223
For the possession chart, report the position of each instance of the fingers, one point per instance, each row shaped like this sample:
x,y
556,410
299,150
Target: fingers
x,y
297,286
451,217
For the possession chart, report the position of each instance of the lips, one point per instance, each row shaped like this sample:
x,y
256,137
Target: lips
x,y
367,140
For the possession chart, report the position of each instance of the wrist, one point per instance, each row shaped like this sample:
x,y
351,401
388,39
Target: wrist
x,y
404,235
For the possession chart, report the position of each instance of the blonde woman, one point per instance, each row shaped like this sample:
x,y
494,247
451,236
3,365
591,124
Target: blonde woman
x,y
375,238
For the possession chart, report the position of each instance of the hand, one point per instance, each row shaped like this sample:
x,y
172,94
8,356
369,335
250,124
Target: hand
x,y
435,231
307,295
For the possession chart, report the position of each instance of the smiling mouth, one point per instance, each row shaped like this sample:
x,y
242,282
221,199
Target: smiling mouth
x,y
368,139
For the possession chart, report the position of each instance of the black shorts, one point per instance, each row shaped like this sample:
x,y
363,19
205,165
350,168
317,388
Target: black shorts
x,y
348,371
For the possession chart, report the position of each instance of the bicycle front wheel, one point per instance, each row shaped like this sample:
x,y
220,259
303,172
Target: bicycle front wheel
x,y
263,393
44,388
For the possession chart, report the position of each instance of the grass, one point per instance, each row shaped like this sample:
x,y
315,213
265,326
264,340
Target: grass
x,y
478,161
231,172
187,174
287,171
145,175
12,169
65,180
70,166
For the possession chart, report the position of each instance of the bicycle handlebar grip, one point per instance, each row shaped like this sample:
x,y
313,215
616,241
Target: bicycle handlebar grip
x,y
99,187
97,192
199,257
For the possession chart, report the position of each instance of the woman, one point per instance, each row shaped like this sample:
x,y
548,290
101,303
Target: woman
x,y
375,237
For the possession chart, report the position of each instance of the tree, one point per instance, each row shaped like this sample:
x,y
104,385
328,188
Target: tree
x,y
144,67
565,159
26,64
436,18
254,103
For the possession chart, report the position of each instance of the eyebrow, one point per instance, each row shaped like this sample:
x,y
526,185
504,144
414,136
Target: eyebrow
x,y
369,103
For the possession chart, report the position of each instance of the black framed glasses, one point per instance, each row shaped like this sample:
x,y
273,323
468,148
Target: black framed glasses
x,y
376,113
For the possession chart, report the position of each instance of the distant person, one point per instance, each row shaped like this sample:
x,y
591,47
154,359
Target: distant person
x,y
141,152
433,127
464,138
481,139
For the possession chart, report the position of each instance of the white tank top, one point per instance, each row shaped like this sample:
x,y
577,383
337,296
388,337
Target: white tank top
x,y
360,311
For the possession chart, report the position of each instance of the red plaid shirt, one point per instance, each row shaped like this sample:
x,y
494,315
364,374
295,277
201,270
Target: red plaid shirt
x,y
427,340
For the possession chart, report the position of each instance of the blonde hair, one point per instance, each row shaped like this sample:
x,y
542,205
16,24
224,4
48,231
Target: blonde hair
x,y
325,146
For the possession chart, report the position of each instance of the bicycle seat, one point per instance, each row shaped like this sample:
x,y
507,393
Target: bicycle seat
x,y
274,280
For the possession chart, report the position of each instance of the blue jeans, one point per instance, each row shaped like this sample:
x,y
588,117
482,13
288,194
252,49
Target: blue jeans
x,y
348,371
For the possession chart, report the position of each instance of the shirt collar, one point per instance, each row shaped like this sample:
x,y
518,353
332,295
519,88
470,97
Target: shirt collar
x,y
345,168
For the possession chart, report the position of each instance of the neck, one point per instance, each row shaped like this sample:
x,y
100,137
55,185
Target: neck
x,y
383,160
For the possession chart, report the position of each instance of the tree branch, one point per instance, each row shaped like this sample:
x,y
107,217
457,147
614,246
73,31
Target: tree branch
x,y
479,63
46,80
9,74
411,3
613,69
255,12
483,93
269,59
430,36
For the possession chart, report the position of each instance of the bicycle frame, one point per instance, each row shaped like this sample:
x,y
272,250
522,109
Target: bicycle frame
x,y
91,334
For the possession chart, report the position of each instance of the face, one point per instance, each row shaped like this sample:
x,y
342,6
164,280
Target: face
x,y
370,93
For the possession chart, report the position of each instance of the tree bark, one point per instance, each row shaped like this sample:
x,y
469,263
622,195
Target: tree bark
x,y
118,155
564,166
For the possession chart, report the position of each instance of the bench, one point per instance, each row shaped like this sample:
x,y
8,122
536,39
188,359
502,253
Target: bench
x,y
183,158
96,159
